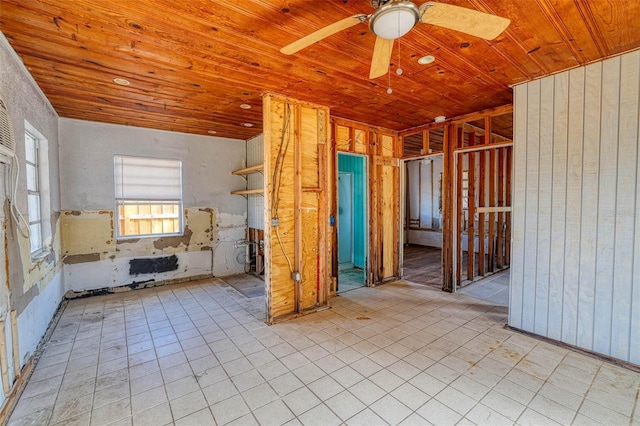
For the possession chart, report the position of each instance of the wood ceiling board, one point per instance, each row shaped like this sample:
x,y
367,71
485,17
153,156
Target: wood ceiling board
x,y
193,63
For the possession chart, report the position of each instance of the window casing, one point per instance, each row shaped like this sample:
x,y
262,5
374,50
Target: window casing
x,y
148,194
34,196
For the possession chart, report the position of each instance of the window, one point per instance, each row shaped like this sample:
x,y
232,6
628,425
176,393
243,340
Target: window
x,y
33,193
37,172
148,194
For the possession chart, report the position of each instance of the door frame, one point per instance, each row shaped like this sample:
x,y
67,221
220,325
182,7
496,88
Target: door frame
x,y
366,201
403,204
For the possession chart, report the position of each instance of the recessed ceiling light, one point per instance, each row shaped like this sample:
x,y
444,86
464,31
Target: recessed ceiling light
x,y
439,119
245,106
212,132
426,60
121,81
248,124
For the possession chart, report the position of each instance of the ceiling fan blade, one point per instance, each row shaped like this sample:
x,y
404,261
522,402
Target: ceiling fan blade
x,y
322,33
468,21
381,57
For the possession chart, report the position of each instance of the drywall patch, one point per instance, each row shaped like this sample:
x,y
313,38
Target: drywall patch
x,y
81,258
87,232
153,265
175,241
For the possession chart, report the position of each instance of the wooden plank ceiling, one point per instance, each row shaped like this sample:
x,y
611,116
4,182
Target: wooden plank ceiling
x,y
191,64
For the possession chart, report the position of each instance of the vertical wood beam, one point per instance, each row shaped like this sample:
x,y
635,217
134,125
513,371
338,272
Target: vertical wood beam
x,y
507,237
471,234
459,210
425,142
448,235
323,256
492,215
500,230
297,205
481,203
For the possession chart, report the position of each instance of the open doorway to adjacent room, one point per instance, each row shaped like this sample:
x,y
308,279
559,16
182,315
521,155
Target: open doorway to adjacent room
x,y
422,248
352,221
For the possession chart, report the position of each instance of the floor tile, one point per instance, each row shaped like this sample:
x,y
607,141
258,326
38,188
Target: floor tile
x,y
345,405
390,409
301,400
401,353
274,413
319,416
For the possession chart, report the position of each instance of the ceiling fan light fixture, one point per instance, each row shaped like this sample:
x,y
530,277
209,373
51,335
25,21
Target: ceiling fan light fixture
x,y
395,19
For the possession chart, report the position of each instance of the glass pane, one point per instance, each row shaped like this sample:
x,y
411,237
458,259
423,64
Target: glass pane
x,y
32,178
35,237
30,148
34,207
148,219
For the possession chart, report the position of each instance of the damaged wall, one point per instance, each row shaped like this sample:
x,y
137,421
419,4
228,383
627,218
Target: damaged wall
x,y
31,288
214,219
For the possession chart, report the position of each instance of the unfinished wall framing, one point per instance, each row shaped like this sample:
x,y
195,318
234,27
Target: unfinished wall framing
x,y
476,221
297,171
383,151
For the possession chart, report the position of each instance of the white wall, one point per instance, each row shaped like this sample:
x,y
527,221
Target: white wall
x,y
86,152
36,287
575,273
424,191
255,202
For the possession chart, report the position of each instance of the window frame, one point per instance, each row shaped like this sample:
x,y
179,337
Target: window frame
x,y
31,133
136,201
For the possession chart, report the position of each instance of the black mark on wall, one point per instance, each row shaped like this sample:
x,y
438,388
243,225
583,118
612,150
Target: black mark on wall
x,y
155,265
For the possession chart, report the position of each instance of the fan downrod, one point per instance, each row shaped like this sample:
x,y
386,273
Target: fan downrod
x,y
377,4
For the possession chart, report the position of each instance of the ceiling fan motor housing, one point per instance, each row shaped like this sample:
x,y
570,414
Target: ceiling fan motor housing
x,y
394,18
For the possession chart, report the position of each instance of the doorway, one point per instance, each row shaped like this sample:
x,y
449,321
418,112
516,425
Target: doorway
x,y
422,237
352,221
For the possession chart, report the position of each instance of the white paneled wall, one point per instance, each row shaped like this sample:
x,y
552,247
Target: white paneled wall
x,y
255,208
575,275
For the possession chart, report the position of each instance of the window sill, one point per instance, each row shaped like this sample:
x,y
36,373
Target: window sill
x,y
40,255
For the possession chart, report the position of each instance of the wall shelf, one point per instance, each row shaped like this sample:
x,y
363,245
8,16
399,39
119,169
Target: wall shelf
x,y
259,191
247,171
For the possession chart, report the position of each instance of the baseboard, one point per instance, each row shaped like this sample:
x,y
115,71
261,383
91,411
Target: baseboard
x,y
133,286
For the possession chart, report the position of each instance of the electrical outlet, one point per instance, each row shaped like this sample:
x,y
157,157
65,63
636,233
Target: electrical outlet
x,y
275,222
296,276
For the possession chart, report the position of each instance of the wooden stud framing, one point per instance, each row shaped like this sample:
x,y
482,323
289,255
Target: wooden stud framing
x,y
481,215
500,230
471,234
507,234
296,158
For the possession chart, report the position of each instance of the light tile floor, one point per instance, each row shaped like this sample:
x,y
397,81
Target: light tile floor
x,y
199,354
494,288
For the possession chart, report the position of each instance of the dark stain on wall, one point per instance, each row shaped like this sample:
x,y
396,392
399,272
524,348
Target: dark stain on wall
x,y
81,258
164,242
153,265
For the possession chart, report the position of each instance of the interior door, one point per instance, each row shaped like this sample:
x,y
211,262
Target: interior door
x,y
345,218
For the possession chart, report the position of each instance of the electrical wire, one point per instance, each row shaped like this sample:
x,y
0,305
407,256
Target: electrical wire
x,y
15,212
277,176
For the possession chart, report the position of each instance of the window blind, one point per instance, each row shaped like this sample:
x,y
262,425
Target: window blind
x,y
147,179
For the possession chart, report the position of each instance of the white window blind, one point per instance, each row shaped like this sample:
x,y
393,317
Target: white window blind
x,y
147,179
148,194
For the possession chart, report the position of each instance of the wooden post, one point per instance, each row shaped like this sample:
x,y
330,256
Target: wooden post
x,y
15,344
481,203
471,200
500,245
448,232
507,234
459,210
492,203
6,386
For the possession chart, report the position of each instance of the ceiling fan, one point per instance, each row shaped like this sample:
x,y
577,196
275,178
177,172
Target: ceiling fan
x,y
394,18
